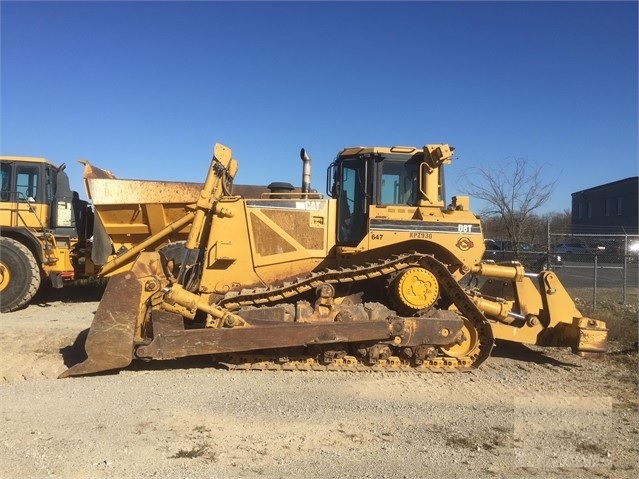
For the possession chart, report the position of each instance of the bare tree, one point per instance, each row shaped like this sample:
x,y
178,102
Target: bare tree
x,y
512,190
561,222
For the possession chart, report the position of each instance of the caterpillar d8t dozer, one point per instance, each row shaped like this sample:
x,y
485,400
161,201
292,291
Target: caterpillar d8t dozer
x,y
368,276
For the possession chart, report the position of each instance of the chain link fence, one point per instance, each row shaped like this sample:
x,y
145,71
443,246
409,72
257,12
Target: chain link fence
x,y
605,265
593,267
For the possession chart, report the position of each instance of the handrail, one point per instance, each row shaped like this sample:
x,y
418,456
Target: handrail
x,y
21,198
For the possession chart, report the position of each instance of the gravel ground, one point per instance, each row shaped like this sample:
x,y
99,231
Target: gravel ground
x,y
527,412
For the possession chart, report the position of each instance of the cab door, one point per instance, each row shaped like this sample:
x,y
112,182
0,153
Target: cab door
x,y
352,202
23,199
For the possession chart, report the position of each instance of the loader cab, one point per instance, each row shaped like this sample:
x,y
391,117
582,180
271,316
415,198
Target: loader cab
x,y
25,192
21,182
36,194
362,177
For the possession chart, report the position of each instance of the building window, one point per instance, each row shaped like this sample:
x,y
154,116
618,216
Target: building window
x,y
619,206
608,206
589,206
580,210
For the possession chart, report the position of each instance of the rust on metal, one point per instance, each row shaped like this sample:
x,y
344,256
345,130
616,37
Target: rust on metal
x,y
109,344
171,340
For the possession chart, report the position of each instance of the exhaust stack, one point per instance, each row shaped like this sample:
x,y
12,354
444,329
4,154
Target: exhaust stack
x,y
306,172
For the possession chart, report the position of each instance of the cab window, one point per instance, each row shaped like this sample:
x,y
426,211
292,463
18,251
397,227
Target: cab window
x,y
352,215
27,183
5,175
400,185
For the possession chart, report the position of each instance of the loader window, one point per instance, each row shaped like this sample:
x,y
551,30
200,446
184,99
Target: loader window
x,y
5,171
27,183
352,202
49,184
400,184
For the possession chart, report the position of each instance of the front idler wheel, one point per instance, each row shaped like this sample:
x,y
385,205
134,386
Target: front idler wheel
x,y
467,345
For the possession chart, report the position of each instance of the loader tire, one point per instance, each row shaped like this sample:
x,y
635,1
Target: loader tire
x,y
19,275
173,255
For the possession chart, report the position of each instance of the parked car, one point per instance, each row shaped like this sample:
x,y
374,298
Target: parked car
x,y
624,250
588,252
533,257
572,248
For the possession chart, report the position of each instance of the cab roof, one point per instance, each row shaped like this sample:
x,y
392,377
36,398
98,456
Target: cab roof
x,y
27,159
364,150
385,150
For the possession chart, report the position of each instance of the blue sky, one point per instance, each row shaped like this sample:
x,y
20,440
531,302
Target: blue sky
x,y
146,88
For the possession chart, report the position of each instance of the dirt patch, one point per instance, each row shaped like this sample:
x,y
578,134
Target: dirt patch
x,y
527,412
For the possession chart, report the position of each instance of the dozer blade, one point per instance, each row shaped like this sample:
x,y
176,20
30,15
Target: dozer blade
x,y
109,344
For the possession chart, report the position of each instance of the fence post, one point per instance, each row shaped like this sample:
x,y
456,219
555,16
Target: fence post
x,y
625,268
594,286
548,256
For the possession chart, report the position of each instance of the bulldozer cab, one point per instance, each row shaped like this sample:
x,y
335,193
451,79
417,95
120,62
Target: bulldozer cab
x,y
399,176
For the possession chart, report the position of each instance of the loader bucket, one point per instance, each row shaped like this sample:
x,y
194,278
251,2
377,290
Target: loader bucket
x,y
109,344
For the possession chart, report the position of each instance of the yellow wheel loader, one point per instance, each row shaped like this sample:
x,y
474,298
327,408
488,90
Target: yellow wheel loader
x,y
44,230
366,276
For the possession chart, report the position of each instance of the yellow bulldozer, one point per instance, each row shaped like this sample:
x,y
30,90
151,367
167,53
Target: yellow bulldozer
x,y
368,275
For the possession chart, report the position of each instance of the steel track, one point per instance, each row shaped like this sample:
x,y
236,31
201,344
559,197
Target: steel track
x,y
290,290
